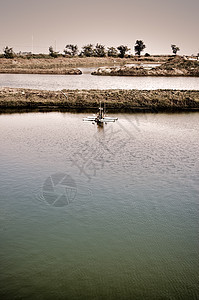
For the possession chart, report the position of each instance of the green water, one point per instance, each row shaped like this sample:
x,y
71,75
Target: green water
x,y
99,213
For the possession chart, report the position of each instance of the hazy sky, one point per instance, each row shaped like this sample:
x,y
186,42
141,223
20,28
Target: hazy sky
x,y
109,22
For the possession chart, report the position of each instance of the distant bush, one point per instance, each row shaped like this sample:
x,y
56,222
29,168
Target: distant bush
x,y
88,50
71,50
122,49
8,52
139,47
175,49
99,50
52,53
112,52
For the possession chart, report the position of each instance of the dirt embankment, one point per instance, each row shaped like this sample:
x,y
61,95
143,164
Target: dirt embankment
x,y
36,66
118,100
63,65
177,66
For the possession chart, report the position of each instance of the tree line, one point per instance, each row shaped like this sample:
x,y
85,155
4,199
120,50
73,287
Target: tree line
x,y
98,50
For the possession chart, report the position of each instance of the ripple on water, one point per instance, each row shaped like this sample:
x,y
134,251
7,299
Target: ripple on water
x,y
132,229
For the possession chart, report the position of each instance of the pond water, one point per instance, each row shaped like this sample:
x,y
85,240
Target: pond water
x,y
88,81
93,212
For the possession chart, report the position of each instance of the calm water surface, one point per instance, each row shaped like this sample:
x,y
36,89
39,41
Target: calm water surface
x,y
88,81
99,213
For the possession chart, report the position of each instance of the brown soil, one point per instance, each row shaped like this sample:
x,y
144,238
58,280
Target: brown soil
x,y
177,66
119,100
60,65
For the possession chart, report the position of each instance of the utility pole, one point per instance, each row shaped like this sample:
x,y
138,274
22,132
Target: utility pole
x,y
32,44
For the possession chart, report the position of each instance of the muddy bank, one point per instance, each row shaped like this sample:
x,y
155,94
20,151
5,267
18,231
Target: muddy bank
x,y
177,66
61,64
117,100
60,71
170,66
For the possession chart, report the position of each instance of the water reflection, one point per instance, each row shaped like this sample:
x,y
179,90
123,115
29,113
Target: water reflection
x,y
136,236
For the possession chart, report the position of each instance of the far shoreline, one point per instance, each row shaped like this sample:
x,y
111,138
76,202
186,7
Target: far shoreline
x,y
166,66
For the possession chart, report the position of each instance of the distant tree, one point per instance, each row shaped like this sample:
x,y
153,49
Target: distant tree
x,y
122,49
99,50
88,50
52,53
112,52
71,50
139,47
175,49
147,55
8,52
